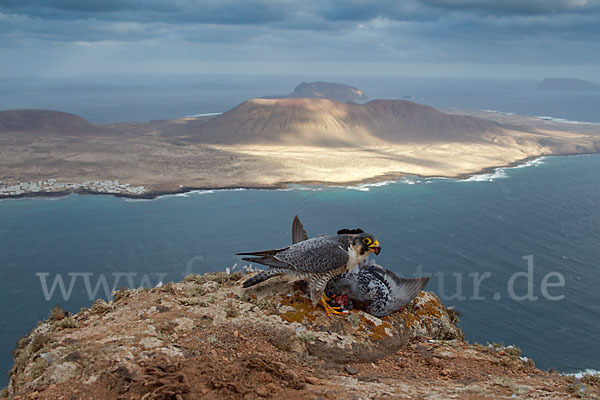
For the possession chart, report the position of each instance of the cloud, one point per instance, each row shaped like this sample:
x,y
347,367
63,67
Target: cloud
x,y
175,11
516,7
187,33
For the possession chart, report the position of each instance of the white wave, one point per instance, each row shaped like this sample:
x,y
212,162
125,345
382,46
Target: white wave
x,y
434,179
582,373
365,187
301,187
498,112
377,184
39,198
359,188
499,173
530,163
185,194
203,115
554,119
51,198
192,192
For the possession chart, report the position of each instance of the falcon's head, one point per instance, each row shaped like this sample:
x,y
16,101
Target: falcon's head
x,y
362,241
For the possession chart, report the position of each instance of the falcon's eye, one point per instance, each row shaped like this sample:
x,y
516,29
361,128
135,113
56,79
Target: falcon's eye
x,y
367,241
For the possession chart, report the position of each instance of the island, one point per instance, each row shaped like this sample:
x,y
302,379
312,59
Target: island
x,y
207,337
567,84
270,143
324,90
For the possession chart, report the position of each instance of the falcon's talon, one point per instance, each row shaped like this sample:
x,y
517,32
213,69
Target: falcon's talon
x,y
331,309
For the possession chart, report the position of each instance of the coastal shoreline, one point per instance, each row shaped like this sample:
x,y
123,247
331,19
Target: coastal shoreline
x,y
154,194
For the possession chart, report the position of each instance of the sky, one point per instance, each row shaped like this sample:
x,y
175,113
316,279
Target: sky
x,y
447,38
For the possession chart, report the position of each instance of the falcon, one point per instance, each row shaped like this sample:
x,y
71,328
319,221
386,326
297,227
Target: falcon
x,y
375,289
316,260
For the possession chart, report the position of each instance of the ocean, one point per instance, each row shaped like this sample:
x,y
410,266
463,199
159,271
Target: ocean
x,y
529,235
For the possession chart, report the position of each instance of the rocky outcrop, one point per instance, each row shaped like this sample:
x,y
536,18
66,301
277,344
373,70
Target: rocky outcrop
x,y
206,337
324,90
328,90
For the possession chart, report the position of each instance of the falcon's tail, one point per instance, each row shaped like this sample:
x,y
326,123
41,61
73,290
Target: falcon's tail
x,y
261,277
263,253
269,261
298,232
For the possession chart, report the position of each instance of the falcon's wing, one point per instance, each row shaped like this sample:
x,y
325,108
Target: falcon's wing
x,y
298,232
316,255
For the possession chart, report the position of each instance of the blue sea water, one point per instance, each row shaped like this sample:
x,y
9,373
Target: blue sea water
x,y
547,211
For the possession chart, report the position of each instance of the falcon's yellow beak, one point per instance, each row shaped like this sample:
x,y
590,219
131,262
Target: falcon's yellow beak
x,y
374,247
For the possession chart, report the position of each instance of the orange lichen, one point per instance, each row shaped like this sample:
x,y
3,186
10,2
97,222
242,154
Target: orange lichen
x,y
378,332
409,319
422,313
302,308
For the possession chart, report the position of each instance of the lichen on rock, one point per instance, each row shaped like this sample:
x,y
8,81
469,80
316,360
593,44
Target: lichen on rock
x,y
206,337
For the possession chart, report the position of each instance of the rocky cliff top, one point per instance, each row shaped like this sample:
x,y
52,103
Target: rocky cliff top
x,y
207,338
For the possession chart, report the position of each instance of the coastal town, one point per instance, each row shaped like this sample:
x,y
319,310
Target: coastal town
x,y
51,186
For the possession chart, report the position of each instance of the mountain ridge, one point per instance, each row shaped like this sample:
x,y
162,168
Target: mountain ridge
x,y
329,122
37,121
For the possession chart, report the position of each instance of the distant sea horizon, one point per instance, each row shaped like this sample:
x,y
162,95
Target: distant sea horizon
x,y
127,98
